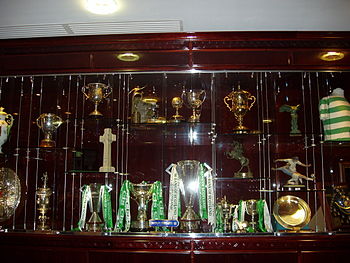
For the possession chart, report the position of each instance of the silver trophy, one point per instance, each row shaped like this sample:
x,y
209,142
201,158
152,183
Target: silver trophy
x,y
142,194
48,123
95,223
96,92
188,171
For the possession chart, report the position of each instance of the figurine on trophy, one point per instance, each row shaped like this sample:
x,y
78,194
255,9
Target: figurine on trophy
x,y
238,103
194,99
236,153
294,131
43,195
189,180
177,103
6,122
48,123
290,169
96,92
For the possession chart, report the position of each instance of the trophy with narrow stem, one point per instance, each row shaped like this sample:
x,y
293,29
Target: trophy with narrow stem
x,y
43,195
177,103
96,92
142,194
252,211
194,99
48,123
238,103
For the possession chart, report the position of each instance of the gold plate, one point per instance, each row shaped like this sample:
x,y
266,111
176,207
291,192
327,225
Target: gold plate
x,y
291,212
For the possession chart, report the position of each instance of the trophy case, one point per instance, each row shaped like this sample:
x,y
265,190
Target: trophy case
x,y
187,163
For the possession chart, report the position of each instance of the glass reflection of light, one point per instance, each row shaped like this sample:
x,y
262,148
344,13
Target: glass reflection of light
x,y
193,186
192,136
299,214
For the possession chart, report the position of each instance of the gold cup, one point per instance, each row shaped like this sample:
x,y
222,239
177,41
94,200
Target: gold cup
x,y
177,104
96,92
48,123
194,100
238,102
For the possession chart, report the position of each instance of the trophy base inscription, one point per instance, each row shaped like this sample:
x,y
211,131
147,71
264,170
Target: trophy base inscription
x,y
139,226
243,175
47,143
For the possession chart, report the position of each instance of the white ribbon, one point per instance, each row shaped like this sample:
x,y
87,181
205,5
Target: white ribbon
x,y
174,193
86,197
210,195
267,218
243,210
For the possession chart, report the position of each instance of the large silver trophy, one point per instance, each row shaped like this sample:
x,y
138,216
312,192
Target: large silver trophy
x,y
187,172
48,123
96,92
142,194
194,99
95,223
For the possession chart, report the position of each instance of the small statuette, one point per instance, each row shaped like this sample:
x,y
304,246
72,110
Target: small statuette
x,y
194,99
48,123
96,92
107,139
238,103
177,104
6,122
290,169
294,117
43,201
236,153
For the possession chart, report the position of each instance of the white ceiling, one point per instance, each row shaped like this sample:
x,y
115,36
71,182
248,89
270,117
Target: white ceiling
x,y
35,18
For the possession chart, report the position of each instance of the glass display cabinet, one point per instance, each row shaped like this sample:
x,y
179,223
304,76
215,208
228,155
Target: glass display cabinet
x,y
184,159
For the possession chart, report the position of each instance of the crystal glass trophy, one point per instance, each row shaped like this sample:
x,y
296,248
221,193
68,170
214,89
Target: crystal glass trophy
x,y
188,171
96,92
95,223
142,194
6,121
238,102
48,123
10,193
43,201
194,99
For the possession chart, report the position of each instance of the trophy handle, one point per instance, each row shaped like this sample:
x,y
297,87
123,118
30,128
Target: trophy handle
x,y
38,123
225,101
205,95
252,98
9,120
83,91
168,170
108,90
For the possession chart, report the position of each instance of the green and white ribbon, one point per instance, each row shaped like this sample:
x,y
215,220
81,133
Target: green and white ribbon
x,y
123,217
210,196
174,193
219,227
157,210
242,207
85,198
106,207
203,211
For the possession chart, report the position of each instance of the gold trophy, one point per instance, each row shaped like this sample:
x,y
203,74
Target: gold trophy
x,y
48,123
226,214
177,103
252,211
96,92
142,195
238,102
43,201
194,100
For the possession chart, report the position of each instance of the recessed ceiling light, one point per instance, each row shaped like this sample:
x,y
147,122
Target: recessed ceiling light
x,y
128,57
101,7
332,56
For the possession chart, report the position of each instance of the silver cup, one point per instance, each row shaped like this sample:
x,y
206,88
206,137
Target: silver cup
x,y
142,194
48,123
96,92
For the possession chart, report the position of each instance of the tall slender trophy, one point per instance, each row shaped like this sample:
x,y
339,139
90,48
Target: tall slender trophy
x,y
194,99
226,214
96,92
188,171
48,123
142,195
6,121
177,103
238,102
43,201
95,223
252,211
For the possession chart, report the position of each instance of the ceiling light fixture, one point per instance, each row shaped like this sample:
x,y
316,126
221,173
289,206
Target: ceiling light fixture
x,y
101,7
332,56
129,57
